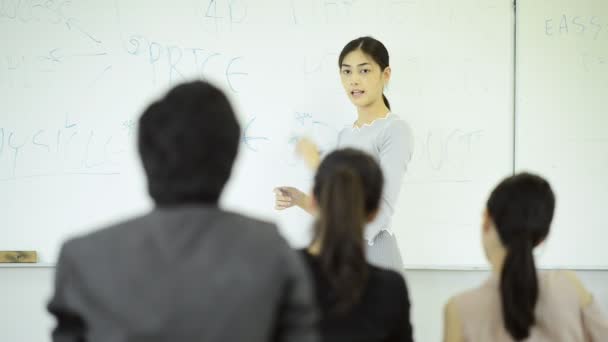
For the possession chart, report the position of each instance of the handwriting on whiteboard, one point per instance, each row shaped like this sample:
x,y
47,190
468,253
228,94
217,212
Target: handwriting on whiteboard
x,y
583,26
442,156
45,12
63,149
170,63
223,15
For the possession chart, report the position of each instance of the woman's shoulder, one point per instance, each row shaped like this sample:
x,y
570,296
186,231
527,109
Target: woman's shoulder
x,y
388,292
395,119
396,132
482,298
395,126
387,279
559,283
566,280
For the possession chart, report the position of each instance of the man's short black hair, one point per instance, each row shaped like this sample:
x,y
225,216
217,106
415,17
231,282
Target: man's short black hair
x,y
188,141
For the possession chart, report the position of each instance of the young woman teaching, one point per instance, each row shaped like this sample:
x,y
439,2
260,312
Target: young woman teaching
x,y
365,72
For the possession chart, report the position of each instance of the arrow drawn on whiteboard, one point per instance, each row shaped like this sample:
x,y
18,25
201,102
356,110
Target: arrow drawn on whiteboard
x,y
59,174
98,77
58,55
73,22
67,121
53,56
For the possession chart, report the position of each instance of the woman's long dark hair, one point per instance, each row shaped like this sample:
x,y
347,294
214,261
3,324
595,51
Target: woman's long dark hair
x,y
371,47
347,186
521,208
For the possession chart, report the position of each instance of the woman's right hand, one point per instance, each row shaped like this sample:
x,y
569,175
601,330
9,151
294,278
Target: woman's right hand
x,y
287,196
309,151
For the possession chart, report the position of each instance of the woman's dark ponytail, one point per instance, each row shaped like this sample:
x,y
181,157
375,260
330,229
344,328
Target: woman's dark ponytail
x,y
521,208
340,228
519,288
347,187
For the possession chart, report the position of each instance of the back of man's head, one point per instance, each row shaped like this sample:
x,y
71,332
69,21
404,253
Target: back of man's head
x,y
188,141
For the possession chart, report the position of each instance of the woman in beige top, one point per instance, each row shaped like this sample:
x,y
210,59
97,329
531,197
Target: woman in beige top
x,y
516,303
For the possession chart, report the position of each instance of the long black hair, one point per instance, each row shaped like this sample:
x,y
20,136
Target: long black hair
x,y
347,186
371,47
521,208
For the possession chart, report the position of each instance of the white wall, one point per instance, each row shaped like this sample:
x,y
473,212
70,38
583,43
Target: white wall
x,y
25,291
23,296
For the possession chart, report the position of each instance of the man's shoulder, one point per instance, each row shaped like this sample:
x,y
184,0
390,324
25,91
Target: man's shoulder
x,y
101,241
222,226
249,228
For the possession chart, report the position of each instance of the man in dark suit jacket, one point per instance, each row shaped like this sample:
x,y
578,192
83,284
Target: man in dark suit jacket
x,y
186,271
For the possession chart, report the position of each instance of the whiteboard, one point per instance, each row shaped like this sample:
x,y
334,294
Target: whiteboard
x,y
75,76
562,121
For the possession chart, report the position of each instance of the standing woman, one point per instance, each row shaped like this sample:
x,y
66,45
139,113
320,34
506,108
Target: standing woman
x,y
365,72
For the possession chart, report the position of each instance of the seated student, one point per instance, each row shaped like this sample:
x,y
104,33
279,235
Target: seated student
x,y
186,271
359,302
518,303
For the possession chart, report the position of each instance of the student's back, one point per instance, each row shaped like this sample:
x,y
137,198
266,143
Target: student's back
x,y
188,273
565,312
519,303
185,271
359,302
381,315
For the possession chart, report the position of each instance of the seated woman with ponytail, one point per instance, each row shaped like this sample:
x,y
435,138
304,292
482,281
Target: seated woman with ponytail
x,y
518,303
358,301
